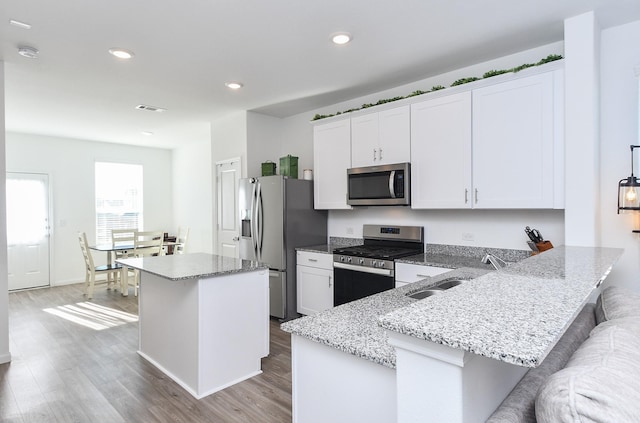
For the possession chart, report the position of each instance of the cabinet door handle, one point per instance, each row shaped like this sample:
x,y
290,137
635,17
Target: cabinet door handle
x,y
422,276
476,195
466,196
374,154
380,153
313,260
330,277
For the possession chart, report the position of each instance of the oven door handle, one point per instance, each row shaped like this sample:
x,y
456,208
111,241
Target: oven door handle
x,y
376,271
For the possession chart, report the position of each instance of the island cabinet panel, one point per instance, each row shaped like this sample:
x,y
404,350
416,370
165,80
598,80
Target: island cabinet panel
x,y
409,273
513,144
441,152
192,329
331,159
314,282
380,138
333,386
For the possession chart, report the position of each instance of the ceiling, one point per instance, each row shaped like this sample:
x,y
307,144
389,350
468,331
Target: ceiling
x,y
280,50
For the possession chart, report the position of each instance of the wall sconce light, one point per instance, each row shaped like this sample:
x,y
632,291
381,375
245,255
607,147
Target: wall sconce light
x,y
629,190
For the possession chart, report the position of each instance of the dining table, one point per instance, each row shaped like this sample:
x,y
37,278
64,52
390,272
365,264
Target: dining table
x,y
127,249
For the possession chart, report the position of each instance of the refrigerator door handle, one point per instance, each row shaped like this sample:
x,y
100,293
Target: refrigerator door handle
x,y
260,224
254,222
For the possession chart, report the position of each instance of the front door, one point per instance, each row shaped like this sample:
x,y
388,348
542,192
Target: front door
x,y
27,230
228,176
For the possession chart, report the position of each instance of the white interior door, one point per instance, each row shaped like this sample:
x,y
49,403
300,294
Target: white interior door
x,y
28,230
228,176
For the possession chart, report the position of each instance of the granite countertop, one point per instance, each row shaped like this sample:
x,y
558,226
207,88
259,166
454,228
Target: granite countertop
x,y
191,266
354,328
515,315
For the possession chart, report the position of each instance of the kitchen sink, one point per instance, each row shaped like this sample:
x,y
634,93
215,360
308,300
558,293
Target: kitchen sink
x,y
425,293
436,289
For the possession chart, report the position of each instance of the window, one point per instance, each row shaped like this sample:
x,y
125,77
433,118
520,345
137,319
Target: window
x,y
118,198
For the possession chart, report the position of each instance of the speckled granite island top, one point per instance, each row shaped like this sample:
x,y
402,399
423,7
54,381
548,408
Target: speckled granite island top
x,y
515,315
191,266
353,327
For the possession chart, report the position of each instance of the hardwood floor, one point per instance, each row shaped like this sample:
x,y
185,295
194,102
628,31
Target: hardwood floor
x,y
62,371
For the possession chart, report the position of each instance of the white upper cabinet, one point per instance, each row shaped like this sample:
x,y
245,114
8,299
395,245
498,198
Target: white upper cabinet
x,y
441,152
513,144
381,137
331,159
494,147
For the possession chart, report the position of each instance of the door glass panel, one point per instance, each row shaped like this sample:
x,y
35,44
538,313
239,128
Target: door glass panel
x,y
26,211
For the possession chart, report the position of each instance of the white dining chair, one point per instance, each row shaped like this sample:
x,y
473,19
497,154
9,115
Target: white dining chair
x,y
181,240
91,270
146,244
120,238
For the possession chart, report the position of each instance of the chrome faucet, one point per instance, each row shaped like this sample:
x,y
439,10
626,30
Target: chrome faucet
x,y
495,261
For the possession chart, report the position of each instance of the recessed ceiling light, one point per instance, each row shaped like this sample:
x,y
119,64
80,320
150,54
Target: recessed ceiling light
x,y
341,38
121,53
28,52
19,24
233,85
147,133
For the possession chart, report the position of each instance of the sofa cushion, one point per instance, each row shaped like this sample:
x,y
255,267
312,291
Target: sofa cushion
x,y
518,407
601,382
615,302
632,324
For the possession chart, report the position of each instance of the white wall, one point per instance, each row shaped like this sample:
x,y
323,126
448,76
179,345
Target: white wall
x,y
582,138
70,166
620,54
502,229
263,142
193,195
5,355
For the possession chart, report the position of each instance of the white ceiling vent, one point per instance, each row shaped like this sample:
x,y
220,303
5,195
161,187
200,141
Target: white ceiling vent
x,y
150,108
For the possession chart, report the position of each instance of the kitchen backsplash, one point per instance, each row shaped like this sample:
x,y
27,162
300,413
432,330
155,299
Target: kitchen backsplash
x,y
465,251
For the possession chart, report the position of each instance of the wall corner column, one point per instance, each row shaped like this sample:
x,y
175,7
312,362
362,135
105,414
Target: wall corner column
x,y
5,355
582,130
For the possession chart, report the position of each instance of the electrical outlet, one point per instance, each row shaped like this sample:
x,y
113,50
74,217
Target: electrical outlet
x,y
468,236
349,231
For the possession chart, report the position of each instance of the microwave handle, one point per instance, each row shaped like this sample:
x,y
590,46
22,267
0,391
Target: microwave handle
x,y
392,185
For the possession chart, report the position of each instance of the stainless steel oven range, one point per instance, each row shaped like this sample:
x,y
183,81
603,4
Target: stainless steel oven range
x,y
367,269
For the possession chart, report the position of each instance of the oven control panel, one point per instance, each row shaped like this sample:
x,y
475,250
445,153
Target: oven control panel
x,y
364,261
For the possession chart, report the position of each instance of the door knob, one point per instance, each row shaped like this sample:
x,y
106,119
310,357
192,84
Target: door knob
x,y
236,238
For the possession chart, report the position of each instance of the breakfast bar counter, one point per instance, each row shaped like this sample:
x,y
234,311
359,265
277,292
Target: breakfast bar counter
x,y
203,318
456,355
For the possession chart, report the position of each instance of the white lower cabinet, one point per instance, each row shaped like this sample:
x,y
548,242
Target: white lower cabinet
x,y
410,273
314,282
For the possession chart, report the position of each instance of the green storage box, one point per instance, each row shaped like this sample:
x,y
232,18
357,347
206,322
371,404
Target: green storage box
x,y
289,166
268,168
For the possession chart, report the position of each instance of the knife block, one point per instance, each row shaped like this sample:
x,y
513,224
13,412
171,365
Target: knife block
x,y
544,245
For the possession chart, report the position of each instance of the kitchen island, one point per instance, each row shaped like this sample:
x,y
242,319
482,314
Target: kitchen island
x,y
203,318
450,357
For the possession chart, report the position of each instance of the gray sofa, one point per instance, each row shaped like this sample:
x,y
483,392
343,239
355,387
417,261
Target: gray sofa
x,y
591,375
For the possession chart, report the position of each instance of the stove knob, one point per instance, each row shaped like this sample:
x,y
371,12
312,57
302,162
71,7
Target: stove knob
x,y
374,263
361,261
380,264
342,259
348,259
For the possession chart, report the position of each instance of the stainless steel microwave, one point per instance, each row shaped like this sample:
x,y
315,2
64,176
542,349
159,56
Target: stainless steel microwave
x,y
385,185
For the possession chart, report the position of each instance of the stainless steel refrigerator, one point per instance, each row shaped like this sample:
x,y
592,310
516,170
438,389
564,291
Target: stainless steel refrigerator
x,y
277,215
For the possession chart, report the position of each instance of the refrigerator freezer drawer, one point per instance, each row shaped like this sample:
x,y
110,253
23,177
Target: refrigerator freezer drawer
x,y
277,293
